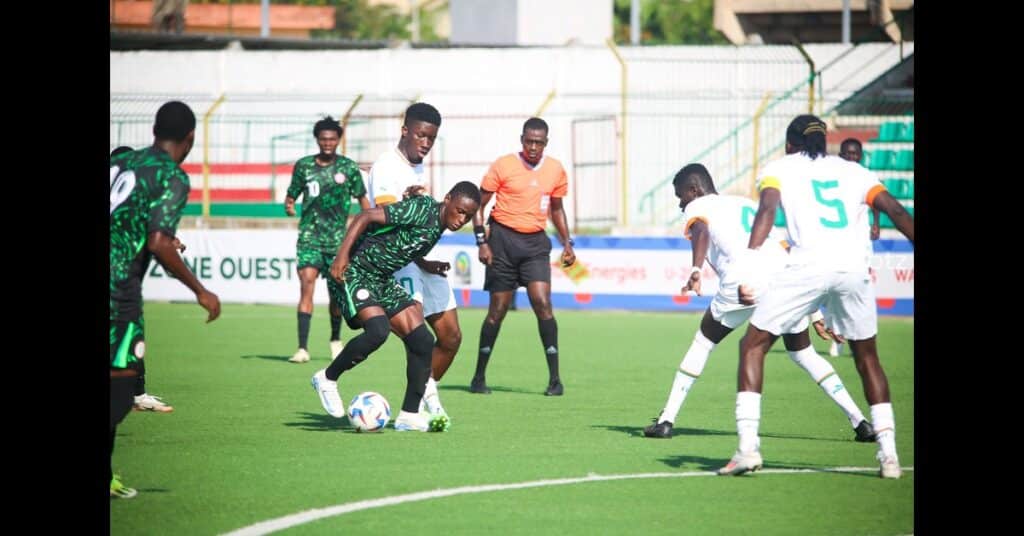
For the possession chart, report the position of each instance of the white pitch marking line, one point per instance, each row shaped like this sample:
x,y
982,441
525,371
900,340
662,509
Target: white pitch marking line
x,y
289,521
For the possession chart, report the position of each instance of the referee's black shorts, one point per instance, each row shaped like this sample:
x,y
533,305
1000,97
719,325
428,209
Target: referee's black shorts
x,y
516,258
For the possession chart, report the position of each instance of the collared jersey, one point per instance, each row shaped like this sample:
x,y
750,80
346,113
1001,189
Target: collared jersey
x,y
523,192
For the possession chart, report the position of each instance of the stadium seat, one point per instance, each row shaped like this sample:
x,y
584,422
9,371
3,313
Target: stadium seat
x,y
904,160
893,186
889,131
899,188
879,159
907,133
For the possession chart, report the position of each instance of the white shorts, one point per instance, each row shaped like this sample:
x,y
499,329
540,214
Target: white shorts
x,y
433,291
796,293
726,308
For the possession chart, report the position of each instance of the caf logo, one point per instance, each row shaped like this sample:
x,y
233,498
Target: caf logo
x,y
463,268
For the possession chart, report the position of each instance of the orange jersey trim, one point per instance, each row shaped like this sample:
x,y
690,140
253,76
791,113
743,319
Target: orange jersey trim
x,y
874,191
385,199
690,222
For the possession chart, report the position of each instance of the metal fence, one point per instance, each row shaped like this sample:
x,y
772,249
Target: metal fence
x,y
734,143
726,107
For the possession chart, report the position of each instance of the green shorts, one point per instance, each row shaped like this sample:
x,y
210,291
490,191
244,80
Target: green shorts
x,y
316,258
362,289
127,343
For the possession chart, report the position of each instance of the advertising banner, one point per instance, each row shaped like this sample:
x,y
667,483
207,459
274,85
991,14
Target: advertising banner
x,y
631,273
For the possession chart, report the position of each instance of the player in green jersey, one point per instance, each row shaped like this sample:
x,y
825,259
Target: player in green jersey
x,y
363,282
328,181
148,191
143,400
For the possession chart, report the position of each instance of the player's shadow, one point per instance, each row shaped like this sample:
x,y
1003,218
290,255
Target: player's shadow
x,y
698,463
638,431
153,490
318,422
495,388
809,438
267,357
701,463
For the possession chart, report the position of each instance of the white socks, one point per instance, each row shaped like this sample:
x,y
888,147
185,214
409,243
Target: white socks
x,y
431,400
821,371
689,370
885,428
748,419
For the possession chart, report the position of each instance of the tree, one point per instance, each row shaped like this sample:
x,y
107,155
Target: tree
x,y
669,22
356,19
353,19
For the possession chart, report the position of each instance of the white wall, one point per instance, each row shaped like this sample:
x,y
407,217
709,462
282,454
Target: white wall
x,y
682,99
530,22
483,22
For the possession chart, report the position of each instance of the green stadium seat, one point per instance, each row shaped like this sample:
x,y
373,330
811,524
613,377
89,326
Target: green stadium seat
x,y
893,185
879,159
904,160
889,131
899,188
908,132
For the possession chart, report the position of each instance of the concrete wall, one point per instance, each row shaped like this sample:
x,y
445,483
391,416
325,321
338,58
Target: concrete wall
x,y
493,22
530,22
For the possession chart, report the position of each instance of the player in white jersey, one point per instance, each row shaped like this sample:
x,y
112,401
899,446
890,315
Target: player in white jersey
x,y
394,174
822,195
718,226
852,150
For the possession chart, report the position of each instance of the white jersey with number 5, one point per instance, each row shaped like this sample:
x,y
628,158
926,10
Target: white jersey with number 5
x,y
825,201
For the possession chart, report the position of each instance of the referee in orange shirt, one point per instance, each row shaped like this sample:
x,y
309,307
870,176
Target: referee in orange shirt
x,y
527,187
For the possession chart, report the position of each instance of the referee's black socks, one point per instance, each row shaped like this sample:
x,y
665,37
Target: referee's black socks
x,y
488,334
549,337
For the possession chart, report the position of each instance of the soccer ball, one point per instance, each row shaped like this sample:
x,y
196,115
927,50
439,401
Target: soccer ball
x,y
369,412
